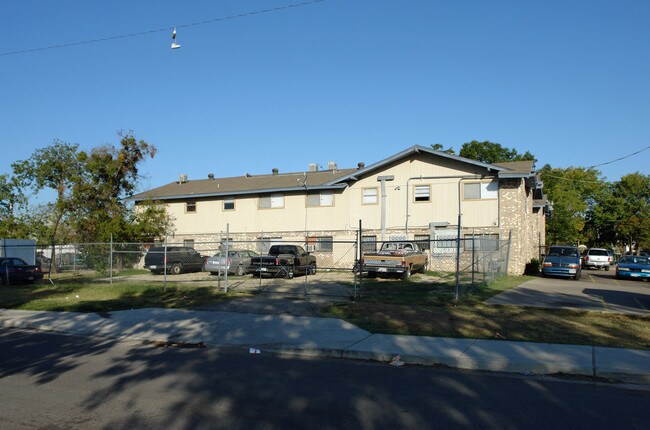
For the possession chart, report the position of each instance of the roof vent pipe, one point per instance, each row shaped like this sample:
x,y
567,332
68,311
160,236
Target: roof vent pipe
x,y
210,175
275,171
361,165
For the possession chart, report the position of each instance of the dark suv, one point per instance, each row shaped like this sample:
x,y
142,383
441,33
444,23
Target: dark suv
x,y
174,260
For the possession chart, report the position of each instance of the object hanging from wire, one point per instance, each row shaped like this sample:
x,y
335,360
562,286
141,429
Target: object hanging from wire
x,y
174,44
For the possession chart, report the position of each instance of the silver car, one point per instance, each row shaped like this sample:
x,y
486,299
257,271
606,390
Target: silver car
x,y
237,263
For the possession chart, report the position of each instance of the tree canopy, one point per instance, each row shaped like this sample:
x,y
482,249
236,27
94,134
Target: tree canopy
x,y
92,190
490,152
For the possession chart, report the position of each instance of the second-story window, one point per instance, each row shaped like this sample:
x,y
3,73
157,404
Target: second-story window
x,y
190,207
272,201
422,193
229,204
324,198
370,196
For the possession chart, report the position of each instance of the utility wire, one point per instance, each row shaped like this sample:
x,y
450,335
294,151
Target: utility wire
x,y
597,165
619,159
160,30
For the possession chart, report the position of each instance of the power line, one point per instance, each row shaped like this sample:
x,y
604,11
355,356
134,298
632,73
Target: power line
x,y
619,159
160,30
597,165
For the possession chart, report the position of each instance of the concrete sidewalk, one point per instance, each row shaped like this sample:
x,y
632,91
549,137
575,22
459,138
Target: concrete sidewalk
x,y
331,337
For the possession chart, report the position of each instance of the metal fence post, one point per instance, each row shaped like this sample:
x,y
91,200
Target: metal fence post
x,y
225,275
165,265
110,256
473,259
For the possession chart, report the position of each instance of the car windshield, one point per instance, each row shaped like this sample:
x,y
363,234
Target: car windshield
x,y
634,259
563,252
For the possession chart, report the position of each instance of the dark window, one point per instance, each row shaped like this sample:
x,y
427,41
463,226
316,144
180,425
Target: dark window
x,y
190,207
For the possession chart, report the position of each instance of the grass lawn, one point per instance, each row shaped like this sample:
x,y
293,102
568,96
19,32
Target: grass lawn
x,y
428,309
421,306
94,294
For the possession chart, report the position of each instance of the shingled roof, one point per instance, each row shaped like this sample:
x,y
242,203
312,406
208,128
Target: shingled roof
x,y
247,184
318,180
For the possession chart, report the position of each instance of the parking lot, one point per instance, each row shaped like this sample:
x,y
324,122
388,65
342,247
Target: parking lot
x,y
597,290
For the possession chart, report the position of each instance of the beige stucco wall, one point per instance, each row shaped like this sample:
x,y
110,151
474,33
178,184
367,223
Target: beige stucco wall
x,y
348,206
510,213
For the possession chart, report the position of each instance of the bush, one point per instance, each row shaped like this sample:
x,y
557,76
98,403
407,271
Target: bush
x,y
532,267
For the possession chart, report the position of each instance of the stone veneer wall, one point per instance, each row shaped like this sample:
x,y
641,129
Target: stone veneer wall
x,y
526,225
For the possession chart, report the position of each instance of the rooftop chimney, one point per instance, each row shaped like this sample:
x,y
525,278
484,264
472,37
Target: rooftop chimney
x,y
331,165
313,167
275,171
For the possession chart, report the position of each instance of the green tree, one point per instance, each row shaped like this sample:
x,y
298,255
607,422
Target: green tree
x,y
573,192
12,215
56,167
439,147
490,152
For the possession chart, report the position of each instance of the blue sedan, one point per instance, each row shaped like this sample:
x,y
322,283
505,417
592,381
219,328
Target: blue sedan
x,y
633,267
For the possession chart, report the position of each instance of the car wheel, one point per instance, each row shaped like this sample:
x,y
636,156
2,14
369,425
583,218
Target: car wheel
x,y
606,268
406,274
177,269
577,276
371,275
240,271
312,269
424,268
288,274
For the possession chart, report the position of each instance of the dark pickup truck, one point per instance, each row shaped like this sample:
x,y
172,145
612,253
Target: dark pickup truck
x,y
284,260
174,260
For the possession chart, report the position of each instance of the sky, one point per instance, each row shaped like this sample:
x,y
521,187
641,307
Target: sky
x,y
334,80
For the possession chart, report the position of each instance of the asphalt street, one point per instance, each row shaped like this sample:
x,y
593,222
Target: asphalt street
x,y
61,381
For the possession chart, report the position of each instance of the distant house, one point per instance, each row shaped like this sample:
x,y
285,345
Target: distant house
x,y
417,193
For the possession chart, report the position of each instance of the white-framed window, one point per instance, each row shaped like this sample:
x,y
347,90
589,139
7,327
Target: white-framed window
x,y
370,196
190,206
480,190
324,198
444,242
422,193
229,203
423,241
320,243
369,243
273,201
264,243
482,242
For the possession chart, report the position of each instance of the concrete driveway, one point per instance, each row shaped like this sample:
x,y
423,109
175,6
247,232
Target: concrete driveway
x,y
597,290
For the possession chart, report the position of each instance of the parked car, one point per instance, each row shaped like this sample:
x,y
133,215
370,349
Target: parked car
x,y
633,267
238,262
284,260
597,258
562,261
396,258
13,269
173,259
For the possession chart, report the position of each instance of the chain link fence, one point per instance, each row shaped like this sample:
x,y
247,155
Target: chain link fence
x,y
319,266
